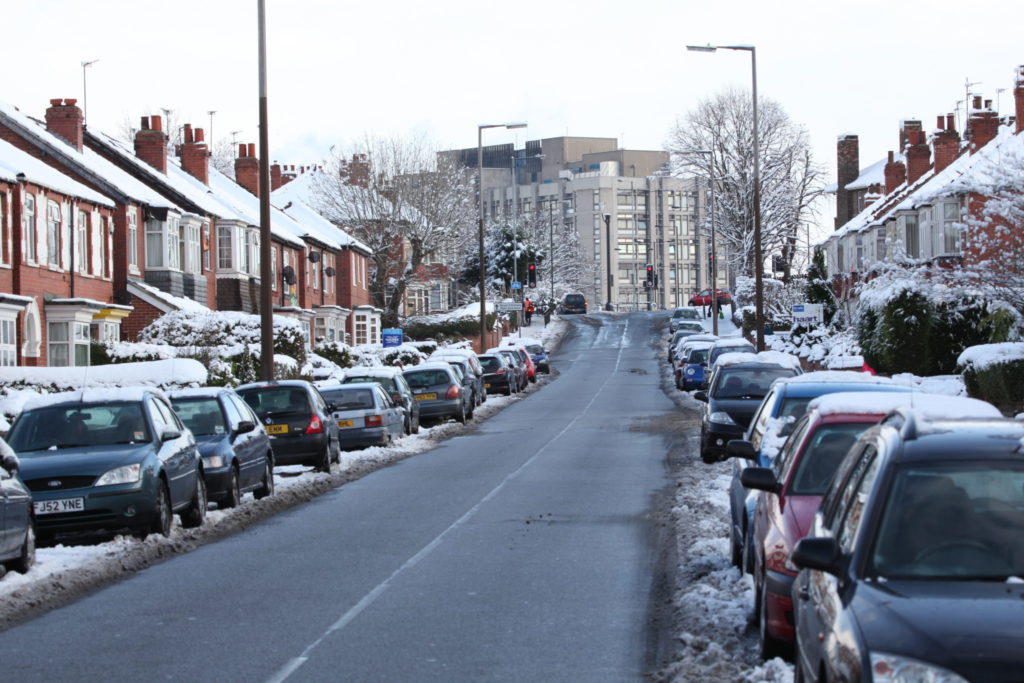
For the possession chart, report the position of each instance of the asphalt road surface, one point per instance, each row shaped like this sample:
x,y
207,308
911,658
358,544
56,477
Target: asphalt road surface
x,y
526,550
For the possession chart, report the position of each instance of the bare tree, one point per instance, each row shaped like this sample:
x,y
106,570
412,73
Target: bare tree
x,y
404,202
790,179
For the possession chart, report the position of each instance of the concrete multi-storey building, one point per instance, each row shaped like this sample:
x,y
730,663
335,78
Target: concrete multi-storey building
x,y
627,211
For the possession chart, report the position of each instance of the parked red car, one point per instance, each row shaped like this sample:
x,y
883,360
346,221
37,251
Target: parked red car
x,y
703,298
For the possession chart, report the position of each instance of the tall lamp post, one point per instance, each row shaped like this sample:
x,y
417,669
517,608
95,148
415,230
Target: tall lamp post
x,y
758,265
480,207
85,98
608,254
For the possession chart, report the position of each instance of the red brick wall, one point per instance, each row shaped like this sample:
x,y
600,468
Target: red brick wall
x,y
142,316
195,156
65,119
151,143
247,168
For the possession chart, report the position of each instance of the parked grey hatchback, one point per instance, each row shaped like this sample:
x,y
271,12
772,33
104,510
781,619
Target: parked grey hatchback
x,y
439,391
366,415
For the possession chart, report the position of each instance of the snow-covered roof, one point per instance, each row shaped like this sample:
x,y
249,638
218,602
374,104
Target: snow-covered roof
x,y
293,197
385,371
196,392
89,161
247,205
773,357
13,161
92,395
930,406
161,299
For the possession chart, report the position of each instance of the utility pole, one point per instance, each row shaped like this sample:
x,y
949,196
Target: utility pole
x,y
608,253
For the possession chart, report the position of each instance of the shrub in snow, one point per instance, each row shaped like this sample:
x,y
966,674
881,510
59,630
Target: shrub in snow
x,y
995,373
444,328
404,355
338,353
818,289
778,298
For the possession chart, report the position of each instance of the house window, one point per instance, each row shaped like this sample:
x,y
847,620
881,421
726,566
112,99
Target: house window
x,y
950,229
204,245
912,237
252,239
597,200
362,327
101,248
28,228
8,343
273,268
82,242
53,229
880,245
840,265
133,240
191,248
5,256
106,331
224,250
68,344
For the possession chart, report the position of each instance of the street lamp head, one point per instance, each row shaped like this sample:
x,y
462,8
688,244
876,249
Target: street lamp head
x,y
521,124
90,62
701,48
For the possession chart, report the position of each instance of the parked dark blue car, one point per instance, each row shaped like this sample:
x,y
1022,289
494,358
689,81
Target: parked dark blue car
x,y
236,452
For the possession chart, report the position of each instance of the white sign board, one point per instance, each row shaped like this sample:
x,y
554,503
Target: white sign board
x,y
506,306
805,315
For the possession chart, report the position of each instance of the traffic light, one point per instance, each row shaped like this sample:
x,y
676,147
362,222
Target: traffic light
x,y
711,262
531,275
650,275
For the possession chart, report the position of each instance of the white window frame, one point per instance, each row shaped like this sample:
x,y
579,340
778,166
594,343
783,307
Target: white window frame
x,y
273,268
82,230
133,239
28,228
75,341
54,220
8,341
5,232
191,246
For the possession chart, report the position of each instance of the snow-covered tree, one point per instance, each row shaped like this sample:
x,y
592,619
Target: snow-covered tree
x,y
405,202
790,179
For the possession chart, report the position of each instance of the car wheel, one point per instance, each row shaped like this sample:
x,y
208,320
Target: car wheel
x,y
736,550
27,558
267,485
748,552
164,517
769,645
416,426
472,410
407,424
323,463
798,672
461,417
195,514
234,495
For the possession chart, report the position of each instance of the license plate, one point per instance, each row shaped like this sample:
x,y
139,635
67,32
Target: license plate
x,y
277,429
50,507
344,423
426,397
487,385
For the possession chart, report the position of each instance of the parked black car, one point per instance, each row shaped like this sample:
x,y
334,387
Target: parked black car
x,y
108,460
912,568
17,522
394,383
732,398
298,420
518,366
440,391
236,452
499,375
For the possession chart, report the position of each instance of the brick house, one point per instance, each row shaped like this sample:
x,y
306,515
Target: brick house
x,y
913,205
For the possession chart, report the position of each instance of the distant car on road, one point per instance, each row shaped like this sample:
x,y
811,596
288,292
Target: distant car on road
x,y
703,298
108,460
235,448
572,303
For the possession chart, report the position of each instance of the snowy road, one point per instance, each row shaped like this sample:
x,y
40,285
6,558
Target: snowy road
x,y
526,549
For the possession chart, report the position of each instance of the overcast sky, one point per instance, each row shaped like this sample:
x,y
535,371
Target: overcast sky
x,y
341,70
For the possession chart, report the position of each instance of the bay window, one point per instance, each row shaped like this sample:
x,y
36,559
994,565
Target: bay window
x,y
67,344
238,249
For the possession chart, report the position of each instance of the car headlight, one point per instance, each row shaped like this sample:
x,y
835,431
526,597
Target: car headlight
x,y
214,461
888,668
721,417
129,474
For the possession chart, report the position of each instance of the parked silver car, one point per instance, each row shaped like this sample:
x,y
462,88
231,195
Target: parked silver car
x,y
366,415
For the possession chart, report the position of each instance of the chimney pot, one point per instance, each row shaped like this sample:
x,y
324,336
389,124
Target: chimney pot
x,y
252,149
950,125
70,102
977,102
199,135
151,143
156,122
66,121
188,133
56,102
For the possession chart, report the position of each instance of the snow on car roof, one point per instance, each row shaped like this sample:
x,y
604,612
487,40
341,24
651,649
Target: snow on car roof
x,y
452,351
196,392
726,342
374,371
93,395
929,406
428,366
838,376
774,357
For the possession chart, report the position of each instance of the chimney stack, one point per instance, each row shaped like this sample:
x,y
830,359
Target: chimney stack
x,y
946,143
982,124
907,126
65,119
895,174
847,170
918,156
195,156
151,143
1018,98
247,168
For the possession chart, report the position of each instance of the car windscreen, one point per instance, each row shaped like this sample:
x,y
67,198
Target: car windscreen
x,y
266,401
822,455
536,349
740,382
691,327
687,314
201,415
350,399
697,356
952,521
574,299
47,430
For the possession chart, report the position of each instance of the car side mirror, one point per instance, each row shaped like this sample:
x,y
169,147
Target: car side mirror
x,y
760,478
817,553
741,448
701,396
169,433
10,463
331,406
245,426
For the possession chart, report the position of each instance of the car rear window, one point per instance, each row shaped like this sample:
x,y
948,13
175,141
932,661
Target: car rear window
x,y
202,416
350,399
491,364
386,382
419,379
276,400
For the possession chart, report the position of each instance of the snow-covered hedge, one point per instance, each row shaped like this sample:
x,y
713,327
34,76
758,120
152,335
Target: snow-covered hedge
x,y
995,373
778,298
230,329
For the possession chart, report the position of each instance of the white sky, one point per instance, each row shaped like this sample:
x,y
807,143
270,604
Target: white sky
x,y
341,70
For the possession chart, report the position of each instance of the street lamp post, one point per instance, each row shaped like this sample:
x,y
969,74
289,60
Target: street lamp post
x,y
480,191
608,254
758,265
85,98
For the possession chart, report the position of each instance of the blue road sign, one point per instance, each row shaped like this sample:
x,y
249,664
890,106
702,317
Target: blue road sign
x,y
391,337
517,285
